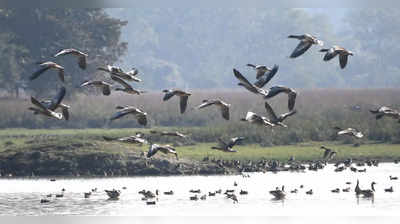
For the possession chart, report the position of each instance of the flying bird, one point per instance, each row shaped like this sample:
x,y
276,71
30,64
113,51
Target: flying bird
x,y
46,66
166,133
275,119
349,131
48,109
135,139
386,111
81,56
140,115
105,86
253,118
183,96
154,148
227,147
336,50
328,153
262,69
306,41
224,107
127,88
117,71
264,79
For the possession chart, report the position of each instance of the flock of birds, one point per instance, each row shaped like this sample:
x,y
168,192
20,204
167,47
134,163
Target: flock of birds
x,y
264,74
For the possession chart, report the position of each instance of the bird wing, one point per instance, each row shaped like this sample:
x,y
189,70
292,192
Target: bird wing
x,y
266,78
82,62
292,100
260,73
343,60
206,103
234,141
55,102
38,104
282,117
65,113
141,118
245,82
168,95
153,149
120,81
302,47
225,111
251,65
331,53
270,111
61,74
64,52
39,72
183,103
122,113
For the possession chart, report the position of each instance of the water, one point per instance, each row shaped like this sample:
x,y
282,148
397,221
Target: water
x,y
22,196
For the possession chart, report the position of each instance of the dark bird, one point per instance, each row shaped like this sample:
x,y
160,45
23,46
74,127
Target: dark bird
x,y
113,194
366,193
328,153
127,88
166,133
55,103
48,109
264,79
278,194
267,94
392,178
140,115
117,71
257,119
154,148
105,86
79,54
306,41
390,189
336,50
275,119
310,192
135,139
233,197
184,96
349,131
224,107
46,66
227,147
386,111
263,69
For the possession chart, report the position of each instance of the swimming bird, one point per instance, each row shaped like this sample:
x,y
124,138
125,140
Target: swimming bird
x,y
169,192
233,197
87,194
294,191
390,189
328,153
336,190
386,111
310,192
46,66
154,148
306,41
224,107
117,71
275,119
269,93
253,118
366,193
392,178
135,139
140,115
336,50
347,189
105,86
48,109
194,198
279,194
169,133
127,88
203,197
242,192
81,56
227,147
183,96
113,194
349,131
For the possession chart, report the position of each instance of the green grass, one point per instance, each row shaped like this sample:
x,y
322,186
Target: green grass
x,y
83,141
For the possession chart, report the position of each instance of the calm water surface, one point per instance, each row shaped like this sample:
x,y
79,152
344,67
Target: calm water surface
x,y
22,196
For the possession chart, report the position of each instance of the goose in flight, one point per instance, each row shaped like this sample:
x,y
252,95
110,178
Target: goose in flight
x,y
328,153
166,133
267,94
48,110
264,79
105,86
79,54
262,69
64,107
253,118
275,119
386,111
135,139
127,88
117,71
336,50
46,66
349,131
227,147
154,148
140,115
183,97
224,107
306,41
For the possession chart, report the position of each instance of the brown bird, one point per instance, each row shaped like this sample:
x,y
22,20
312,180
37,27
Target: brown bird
x,y
263,69
306,41
46,66
105,86
386,111
275,119
154,148
227,147
140,115
336,50
224,107
117,71
127,88
48,110
253,118
81,56
328,153
349,131
184,96
135,139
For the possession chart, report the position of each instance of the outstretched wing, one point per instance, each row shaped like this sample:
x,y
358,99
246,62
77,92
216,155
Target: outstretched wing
x,y
168,95
330,53
282,117
82,62
183,103
225,112
234,141
302,47
343,60
244,82
39,72
120,81
291,100
270,111
262,81
120,114
57,99
38,104
206,103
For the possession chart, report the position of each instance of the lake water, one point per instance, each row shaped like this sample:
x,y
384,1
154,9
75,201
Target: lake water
x,y
22,196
